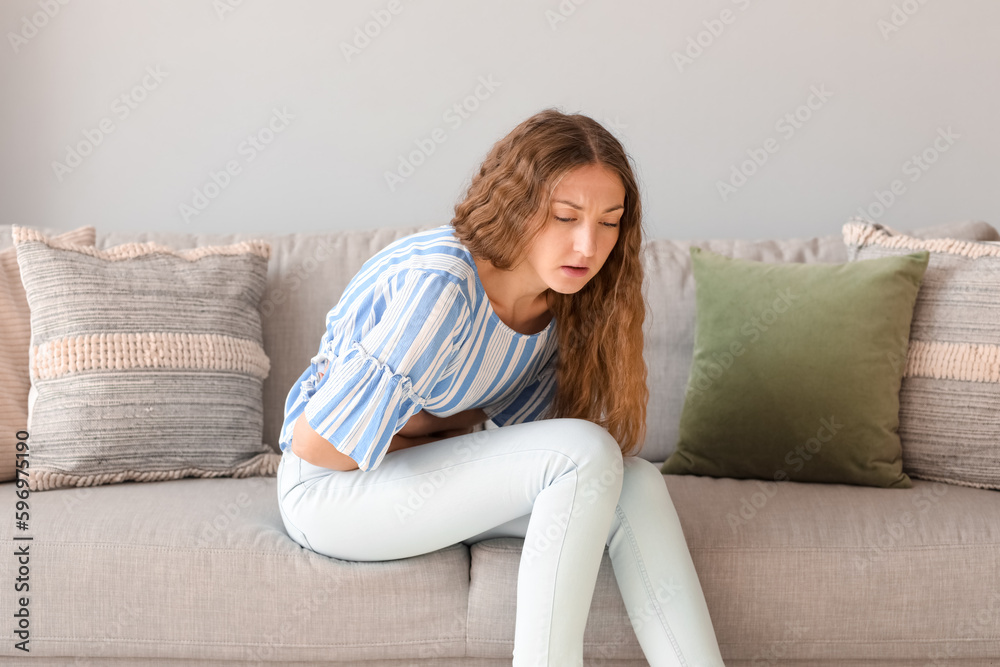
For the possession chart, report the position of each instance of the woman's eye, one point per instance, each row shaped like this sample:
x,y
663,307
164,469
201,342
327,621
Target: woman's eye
x,y
606,224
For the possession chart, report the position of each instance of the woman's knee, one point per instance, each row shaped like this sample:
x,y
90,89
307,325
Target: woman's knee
x,y
585,437
641,480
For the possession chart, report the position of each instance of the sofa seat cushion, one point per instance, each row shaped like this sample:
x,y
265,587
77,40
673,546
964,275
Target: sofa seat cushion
x,y
802,572
202,568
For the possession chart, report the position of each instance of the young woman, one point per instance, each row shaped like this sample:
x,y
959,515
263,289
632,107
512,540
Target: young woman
x,y
526,310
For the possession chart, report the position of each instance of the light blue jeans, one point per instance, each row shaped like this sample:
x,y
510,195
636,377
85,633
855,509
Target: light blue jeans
x,y
562,485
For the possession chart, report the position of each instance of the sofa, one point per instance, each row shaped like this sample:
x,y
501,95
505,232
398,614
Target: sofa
x,y
199,571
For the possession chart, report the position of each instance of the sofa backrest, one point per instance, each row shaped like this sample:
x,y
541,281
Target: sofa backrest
x,y
307,273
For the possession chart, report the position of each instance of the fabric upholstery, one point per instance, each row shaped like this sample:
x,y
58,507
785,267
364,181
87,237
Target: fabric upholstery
x,y
15,332
949,414
201,569
805,572
198,572
670,314
145,363
792,376
307,272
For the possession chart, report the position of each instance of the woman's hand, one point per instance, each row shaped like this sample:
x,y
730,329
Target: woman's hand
x,y
400,441
418,429
425,424
451,432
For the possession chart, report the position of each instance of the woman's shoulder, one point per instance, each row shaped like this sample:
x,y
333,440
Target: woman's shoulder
x,y
422,266
433,255
435,249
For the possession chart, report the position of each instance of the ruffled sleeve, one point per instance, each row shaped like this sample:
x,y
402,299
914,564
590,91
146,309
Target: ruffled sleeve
x,y
387,373
529,404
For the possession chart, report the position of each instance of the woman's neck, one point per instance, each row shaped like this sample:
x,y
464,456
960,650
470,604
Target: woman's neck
x,y
512,302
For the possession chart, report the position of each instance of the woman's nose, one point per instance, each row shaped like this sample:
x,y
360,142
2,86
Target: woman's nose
x,y
584,242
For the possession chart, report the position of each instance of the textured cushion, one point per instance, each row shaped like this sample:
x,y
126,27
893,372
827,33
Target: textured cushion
x,y
146,364
670,312
949,413
15,333
791,377
306,275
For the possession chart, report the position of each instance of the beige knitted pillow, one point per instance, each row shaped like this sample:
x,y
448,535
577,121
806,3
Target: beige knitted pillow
x,y
146,363
949,415
15,339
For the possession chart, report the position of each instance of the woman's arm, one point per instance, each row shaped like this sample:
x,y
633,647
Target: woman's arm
x,y
313,448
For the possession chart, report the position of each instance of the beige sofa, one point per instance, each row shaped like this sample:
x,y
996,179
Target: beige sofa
x,y
201,572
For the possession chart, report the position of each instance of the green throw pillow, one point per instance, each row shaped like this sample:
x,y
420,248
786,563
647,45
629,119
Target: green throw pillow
x,y
794,374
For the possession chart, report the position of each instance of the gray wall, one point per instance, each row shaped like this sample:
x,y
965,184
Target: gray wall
x,y
156,97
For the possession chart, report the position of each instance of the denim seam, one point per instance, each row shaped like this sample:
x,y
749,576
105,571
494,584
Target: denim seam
x,y
645,580
562,544
287,515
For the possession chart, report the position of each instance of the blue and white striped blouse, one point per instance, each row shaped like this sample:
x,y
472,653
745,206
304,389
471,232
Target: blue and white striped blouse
x,y
414,330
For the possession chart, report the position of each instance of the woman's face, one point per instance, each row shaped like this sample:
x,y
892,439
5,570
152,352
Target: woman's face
x,y
582,226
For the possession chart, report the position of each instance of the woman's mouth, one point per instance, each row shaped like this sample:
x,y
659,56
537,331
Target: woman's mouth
x,y
575,271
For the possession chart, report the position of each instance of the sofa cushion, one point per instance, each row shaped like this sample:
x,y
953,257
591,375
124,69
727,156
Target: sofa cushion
x,y
15,332
949,412
793,375
800,572
146,363
203,569
306,274
670,315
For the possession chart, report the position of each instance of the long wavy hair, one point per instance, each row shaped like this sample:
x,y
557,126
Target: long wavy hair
x,y
600,370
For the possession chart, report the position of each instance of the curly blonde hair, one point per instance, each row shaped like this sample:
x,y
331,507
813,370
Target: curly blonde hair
x,y
601,373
